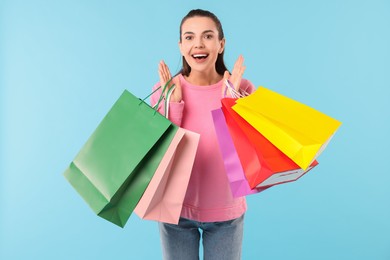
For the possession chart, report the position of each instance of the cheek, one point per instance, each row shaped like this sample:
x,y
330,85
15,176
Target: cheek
x,y
215,47
184,49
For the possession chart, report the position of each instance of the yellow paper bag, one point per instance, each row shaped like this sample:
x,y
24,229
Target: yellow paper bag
x,y
299,131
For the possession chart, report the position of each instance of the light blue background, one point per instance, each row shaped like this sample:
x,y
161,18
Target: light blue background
x,y
64,63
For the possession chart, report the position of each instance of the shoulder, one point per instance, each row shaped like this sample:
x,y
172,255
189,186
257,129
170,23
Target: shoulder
x,y
247,86
156,86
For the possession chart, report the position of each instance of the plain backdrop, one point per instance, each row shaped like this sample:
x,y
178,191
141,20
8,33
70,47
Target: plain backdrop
x,y
64,63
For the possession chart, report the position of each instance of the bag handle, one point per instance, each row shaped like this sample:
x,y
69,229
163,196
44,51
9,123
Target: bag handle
x,y
161,98
233,92
162,93
167,100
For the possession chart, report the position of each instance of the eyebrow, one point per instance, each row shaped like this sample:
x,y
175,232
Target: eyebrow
x,y
207,31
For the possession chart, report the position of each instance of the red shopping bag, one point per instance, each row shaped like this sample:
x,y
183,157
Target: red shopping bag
x,y
264,164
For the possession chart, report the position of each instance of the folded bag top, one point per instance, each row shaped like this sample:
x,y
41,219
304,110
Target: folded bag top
x,y
298,130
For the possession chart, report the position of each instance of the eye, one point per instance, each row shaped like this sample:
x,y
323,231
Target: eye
x,y
208,36
188,37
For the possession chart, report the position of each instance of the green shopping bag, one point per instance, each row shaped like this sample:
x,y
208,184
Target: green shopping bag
x,y
116,164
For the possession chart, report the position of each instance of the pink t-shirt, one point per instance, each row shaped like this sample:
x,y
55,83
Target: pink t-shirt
x,y
208,197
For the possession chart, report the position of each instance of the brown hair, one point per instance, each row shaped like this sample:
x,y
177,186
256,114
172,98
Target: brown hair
x,y
219,64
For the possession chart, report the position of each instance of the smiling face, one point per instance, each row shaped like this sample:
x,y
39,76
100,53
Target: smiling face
x,y
200,43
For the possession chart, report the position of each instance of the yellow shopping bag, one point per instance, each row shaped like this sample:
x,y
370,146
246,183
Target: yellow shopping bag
x,y
299,131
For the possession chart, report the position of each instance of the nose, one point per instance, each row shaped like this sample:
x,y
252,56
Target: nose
x,y
199,43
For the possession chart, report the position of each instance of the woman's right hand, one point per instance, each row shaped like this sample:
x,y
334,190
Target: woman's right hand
x,y
165,76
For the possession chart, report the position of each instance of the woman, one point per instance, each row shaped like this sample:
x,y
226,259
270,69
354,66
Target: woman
x,y
209,210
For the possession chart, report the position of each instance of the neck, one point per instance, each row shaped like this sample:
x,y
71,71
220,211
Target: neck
x,y
203,78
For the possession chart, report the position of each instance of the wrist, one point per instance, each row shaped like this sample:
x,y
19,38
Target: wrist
x,y
175,99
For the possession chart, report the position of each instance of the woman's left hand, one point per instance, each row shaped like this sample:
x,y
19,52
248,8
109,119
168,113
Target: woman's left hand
x,y
237,73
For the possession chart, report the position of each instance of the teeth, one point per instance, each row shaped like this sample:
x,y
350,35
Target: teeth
x,y
199,55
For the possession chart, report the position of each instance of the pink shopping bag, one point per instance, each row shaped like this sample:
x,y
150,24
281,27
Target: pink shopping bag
x,y
164,196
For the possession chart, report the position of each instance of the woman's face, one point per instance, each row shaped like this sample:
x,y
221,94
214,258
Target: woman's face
x,y
199,44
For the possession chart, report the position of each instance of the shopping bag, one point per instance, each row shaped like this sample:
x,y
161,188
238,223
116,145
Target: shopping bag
x,y
267,166
164,196
116,164
239,185
299,131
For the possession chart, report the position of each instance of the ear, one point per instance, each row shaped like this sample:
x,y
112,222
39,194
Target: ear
x,y
222,43
180,48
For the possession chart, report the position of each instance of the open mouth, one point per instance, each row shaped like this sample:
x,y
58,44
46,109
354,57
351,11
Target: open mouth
x,y
200,56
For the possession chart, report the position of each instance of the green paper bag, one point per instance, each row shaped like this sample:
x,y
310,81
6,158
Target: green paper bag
x,y
114,167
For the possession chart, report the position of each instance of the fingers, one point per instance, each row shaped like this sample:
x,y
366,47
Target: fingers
x,y
226,75
238,72
239,67
164,72
239,62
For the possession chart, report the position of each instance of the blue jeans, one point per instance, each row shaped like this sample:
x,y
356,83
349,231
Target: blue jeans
x,y
221,240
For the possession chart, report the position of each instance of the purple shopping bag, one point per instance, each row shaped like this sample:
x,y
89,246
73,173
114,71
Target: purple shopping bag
x,y
235,173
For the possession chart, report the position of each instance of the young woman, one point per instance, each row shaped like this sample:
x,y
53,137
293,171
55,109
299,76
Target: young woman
x,y
209,210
